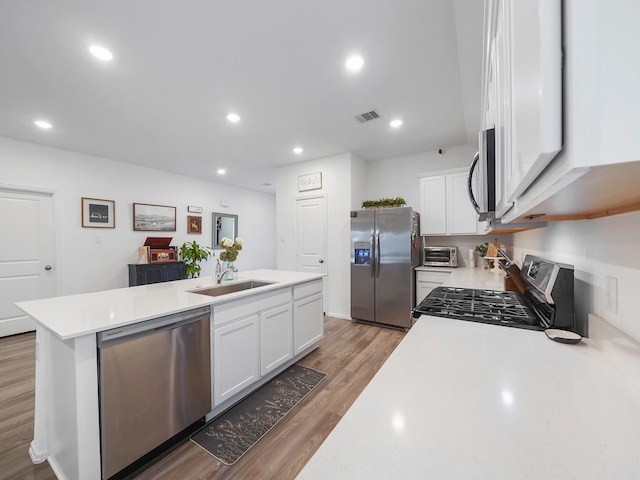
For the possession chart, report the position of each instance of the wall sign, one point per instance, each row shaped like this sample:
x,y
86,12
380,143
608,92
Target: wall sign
x,y
310,181
98,213
193,209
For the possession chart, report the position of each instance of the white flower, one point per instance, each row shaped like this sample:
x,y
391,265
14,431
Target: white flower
x,y
226,242
239,241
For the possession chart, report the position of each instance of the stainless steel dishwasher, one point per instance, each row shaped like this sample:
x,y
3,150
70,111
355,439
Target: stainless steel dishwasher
x,y
155,381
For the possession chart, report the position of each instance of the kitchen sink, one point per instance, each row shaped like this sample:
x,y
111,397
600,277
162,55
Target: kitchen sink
x,y
230,288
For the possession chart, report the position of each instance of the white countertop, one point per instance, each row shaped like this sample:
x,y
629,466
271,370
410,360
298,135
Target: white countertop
x,y
76,315
470,277
461,400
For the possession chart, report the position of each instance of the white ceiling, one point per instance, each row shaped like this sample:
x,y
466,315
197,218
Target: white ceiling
x,y
180,67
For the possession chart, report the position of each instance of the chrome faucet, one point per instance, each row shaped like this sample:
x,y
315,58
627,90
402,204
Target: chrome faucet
x,y
220,276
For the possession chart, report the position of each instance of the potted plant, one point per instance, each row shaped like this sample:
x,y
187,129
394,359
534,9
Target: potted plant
x,y
230,254
384,203
482,251
192,254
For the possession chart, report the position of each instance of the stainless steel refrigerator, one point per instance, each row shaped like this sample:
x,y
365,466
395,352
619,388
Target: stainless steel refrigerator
x,y
385,249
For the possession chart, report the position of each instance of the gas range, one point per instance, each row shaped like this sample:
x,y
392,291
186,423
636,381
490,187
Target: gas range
x,y
545,299
485,306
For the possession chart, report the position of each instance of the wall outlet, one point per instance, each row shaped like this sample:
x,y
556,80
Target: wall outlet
x,y
612,294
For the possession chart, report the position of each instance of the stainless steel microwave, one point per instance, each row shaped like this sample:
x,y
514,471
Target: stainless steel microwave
x,y
440,257
485,161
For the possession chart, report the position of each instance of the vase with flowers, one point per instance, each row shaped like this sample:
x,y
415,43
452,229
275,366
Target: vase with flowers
x,y
229,255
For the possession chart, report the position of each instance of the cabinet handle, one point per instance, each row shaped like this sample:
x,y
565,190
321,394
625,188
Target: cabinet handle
x,y
48,267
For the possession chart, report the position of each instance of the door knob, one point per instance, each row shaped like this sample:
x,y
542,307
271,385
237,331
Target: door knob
x,y
321,261
48,267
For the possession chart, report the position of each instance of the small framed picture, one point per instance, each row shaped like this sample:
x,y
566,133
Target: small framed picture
x,y
310,181
193,209
194,224
153,218
98,213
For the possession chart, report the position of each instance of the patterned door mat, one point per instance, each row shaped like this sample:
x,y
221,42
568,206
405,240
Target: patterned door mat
x,y
233,433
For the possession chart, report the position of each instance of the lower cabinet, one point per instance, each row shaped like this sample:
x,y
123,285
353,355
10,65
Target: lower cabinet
x,y
236,364
255,337
276,342
147,273
427,280
307,329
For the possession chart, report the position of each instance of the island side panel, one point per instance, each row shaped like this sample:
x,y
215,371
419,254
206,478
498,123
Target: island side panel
x,y
66,423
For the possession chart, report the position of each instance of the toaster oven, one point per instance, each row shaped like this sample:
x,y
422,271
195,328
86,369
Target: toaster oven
x,y
440,257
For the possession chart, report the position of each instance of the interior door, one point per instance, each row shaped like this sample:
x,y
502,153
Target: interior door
x,y
26,256
311,223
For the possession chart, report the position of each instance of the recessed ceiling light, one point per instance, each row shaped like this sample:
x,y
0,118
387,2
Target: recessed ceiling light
x,y
297,150
43,124
101,53
354,63
395,123
233,117
221,171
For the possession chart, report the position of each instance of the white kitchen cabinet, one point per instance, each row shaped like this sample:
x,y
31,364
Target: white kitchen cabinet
x,y
522,90
596,172
496,92
433,208
276,337
427,280
255,338
236,349
236,361
308,315
445,205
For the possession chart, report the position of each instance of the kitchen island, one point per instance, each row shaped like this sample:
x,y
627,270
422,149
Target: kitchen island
x,y
283,311
462,400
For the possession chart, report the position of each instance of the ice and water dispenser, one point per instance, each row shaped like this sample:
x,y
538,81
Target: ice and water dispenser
x,y
362,254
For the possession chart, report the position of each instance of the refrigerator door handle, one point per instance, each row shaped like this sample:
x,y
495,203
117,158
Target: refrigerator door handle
x,y
372,261
377,253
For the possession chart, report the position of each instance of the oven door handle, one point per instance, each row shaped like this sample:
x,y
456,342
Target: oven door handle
x,y
472,197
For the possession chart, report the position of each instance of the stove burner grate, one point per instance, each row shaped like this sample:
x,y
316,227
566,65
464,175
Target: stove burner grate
x,y
486,306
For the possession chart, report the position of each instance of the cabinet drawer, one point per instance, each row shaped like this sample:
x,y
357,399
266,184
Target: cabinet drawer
x,y
306,289
235,309
432,276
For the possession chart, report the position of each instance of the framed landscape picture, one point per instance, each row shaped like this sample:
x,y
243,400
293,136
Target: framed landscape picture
x,y
98,213
153,218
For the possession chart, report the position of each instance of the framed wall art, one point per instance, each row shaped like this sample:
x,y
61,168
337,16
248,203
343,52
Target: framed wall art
x,y
98,213
153,218
310,181
194,224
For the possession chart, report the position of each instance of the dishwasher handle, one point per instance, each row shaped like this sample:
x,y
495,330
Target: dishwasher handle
x,y
166,322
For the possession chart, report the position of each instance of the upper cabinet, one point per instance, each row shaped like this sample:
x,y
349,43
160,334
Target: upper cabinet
x,y
444,205
522,86
563,74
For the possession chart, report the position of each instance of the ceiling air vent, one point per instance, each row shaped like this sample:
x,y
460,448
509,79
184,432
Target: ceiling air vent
x,y
367,117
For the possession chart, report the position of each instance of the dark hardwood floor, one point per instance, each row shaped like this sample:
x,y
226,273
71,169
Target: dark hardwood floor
x,y
350,354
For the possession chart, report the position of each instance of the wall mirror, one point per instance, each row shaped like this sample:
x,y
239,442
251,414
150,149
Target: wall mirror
x,y
224,225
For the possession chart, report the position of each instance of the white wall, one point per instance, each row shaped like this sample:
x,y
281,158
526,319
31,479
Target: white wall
x,y
597,248
91,259
398,177
336,185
